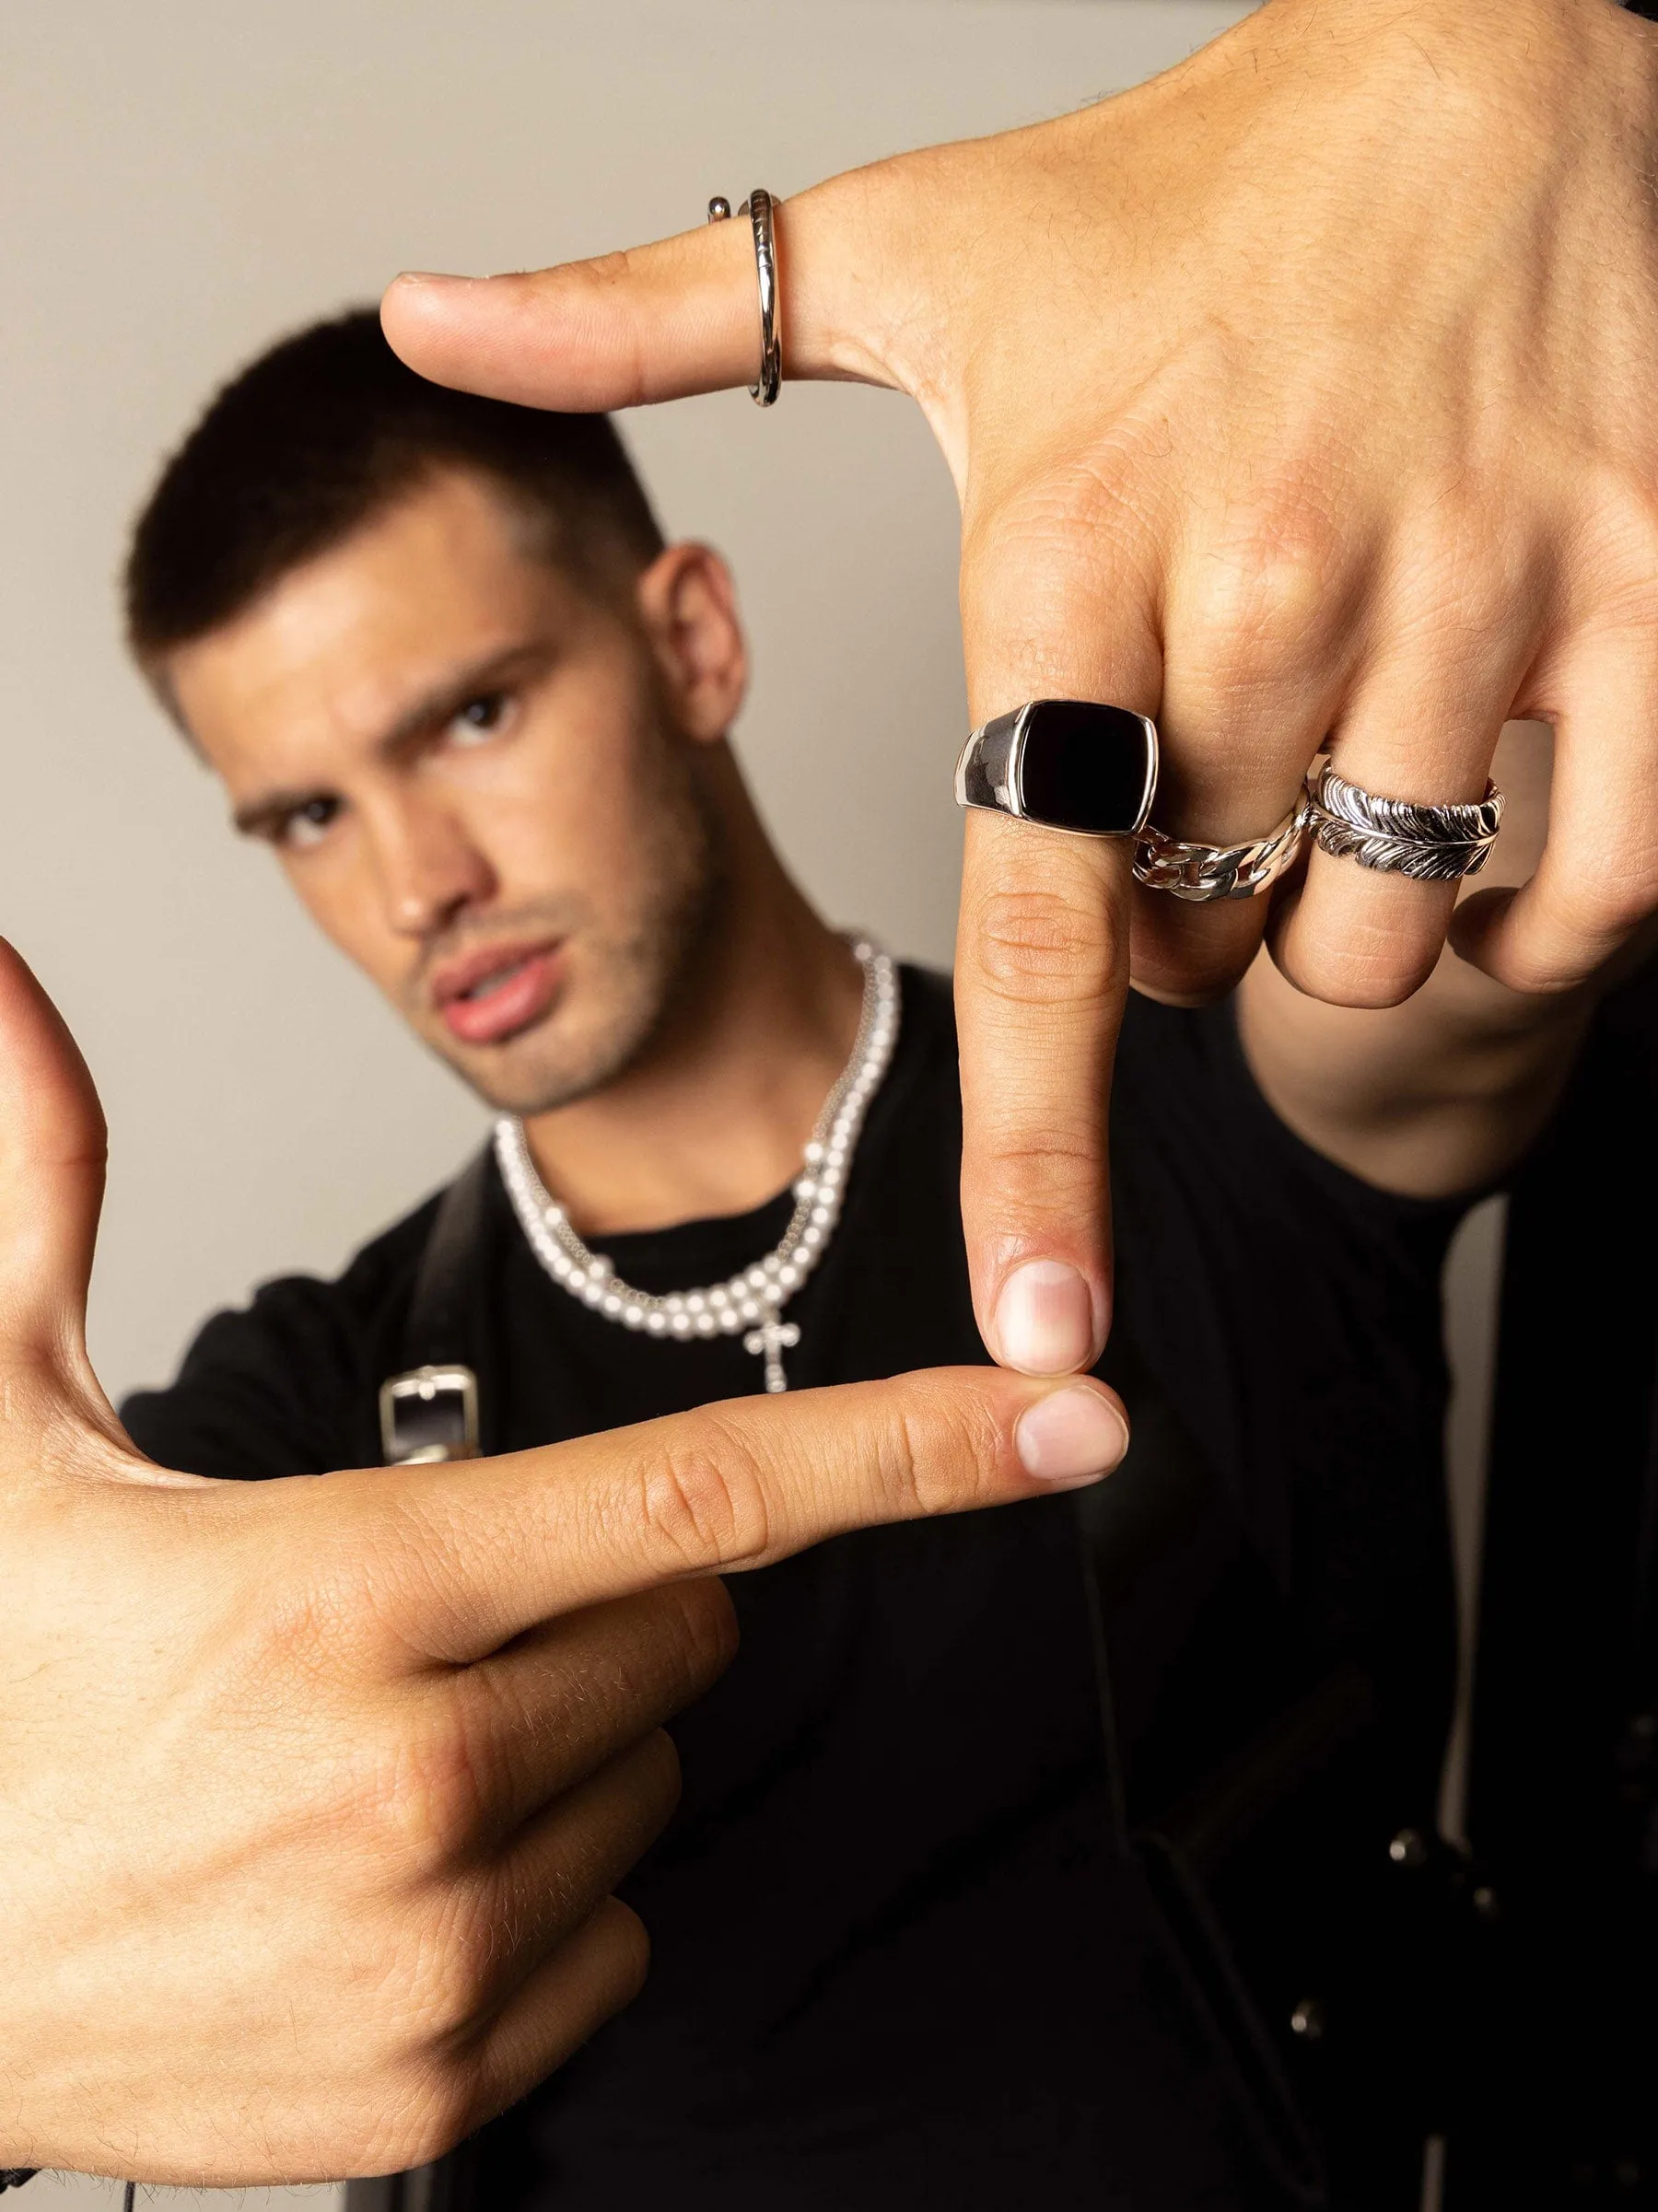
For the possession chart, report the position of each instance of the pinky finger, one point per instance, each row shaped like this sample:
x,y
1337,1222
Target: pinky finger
x,y
597,1970
1597,878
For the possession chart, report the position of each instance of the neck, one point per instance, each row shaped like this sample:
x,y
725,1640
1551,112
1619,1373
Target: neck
x,y
714,1118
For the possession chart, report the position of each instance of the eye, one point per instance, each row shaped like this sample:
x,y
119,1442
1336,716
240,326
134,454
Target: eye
x,y
479,718
308,824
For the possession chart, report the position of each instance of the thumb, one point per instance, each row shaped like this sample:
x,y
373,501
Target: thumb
x,y
660,321
52,1148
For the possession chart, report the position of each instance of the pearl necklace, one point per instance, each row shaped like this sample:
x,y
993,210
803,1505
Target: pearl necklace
x,y
752,1300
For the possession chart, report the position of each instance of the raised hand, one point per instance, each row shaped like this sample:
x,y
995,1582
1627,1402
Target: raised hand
x,y
312,1793
1303,392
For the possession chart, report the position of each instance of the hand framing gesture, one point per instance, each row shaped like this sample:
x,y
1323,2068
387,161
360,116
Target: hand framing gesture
x,y
312,1793
1300,397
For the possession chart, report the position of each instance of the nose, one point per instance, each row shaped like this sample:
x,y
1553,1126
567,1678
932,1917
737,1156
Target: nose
x,y
430,869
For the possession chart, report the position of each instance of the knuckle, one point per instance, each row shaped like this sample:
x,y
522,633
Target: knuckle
x,y
600,291
297,1642
430,2108
1058,534
604,272
1041,1168
1264,589
428,1796
1037,946
367,1573
1033,1163
1457,580
463,1950
703,1501
941,1453
1042,558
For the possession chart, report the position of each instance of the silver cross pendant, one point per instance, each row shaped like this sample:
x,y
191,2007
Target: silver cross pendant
x,y
769,1342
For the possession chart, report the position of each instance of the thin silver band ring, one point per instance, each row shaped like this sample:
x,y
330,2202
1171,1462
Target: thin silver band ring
x,y
761,210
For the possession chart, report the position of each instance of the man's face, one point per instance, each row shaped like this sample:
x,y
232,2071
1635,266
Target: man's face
x,y
484,779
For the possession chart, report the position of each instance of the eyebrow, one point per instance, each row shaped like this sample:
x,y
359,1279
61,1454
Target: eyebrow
x,y
430,710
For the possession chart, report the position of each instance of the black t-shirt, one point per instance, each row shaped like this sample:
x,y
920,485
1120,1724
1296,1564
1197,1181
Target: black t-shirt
x,y
898,1956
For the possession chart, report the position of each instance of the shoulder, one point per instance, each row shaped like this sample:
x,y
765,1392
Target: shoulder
x,y
287,1384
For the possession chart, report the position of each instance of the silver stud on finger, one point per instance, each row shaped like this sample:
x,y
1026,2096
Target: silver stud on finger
x,y
761,211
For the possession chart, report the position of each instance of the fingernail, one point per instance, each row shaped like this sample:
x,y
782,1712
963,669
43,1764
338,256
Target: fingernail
x,y
1074,1436
431,276
1045,1319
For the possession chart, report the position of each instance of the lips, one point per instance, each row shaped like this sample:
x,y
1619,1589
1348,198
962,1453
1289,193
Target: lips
x,y
497,991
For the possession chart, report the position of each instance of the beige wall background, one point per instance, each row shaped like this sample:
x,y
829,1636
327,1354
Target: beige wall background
x,y
182,181
185,180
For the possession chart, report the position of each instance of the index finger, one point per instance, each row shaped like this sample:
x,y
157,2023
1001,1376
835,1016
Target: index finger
x,y
1041,977
1056,604
501,1544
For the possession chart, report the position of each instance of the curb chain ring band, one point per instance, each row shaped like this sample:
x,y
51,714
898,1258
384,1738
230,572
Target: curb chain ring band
x,y
1203,873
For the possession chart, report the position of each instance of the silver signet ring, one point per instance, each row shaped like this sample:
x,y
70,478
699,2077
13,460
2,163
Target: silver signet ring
x,y
1066,763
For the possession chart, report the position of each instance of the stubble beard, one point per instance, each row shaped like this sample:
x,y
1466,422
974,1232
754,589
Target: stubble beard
x,y
631,983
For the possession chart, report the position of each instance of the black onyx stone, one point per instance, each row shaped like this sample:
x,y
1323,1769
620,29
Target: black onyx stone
x,y
1087,767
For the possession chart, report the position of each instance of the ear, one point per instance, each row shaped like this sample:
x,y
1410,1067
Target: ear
x,y
688,604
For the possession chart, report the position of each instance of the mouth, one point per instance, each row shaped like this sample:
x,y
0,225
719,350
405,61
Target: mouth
x,y
498,991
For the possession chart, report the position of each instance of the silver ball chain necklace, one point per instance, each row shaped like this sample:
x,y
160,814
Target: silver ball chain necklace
x,y
752,1301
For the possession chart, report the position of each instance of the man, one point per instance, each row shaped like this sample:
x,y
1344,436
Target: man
x,y
1301,390
1510,271
446,668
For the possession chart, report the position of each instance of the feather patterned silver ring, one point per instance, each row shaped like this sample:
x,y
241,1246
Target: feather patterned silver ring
x,y
1395,837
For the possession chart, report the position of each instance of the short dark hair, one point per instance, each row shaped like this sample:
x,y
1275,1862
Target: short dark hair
x,y
323,432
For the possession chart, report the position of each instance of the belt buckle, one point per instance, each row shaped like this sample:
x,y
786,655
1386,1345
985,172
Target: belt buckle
x,y
427,1414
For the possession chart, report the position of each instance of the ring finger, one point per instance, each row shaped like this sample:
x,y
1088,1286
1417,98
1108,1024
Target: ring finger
x,y
1422,729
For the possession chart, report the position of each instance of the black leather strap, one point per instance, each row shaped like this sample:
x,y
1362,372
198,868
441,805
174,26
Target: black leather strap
x,y
443,1308
448,1321
446,1324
